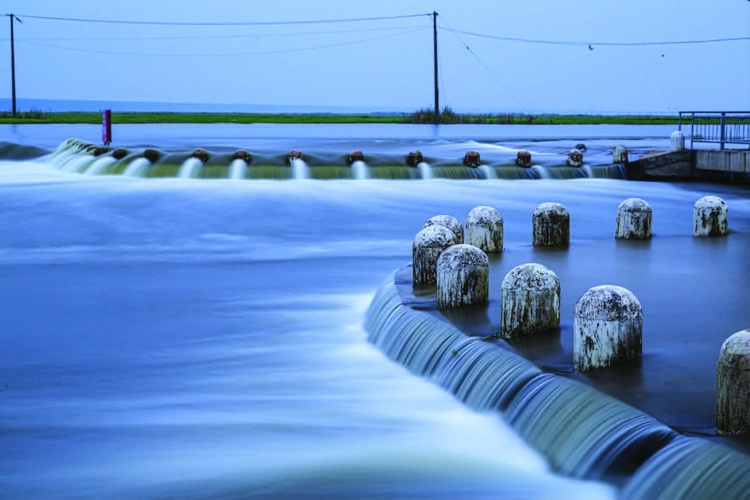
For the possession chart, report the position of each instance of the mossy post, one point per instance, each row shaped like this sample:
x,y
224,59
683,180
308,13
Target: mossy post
x,y
710,217
530,300
484,229
427,246
620,155
550,225
607,328
450,222
733,385
633,221
463,275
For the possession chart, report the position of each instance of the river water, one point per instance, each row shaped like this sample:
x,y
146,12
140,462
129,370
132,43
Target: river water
x,y
196,338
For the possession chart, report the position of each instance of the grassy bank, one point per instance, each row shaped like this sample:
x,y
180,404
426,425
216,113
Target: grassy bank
x,y
421,116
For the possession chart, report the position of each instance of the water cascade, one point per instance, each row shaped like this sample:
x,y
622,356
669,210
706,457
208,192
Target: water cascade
x,y
190,168
583,432
137,168
300,169
237,169
100,165
425,170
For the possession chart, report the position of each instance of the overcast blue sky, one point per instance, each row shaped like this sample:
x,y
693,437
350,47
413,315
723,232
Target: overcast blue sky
x,y
388,64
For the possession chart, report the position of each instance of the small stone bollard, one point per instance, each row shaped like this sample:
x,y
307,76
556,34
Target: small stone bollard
x,y
633,220
201,154
710,217
523,159
414,158
426,248
607,327
620,155
551,225
484,229
355,155
732,383
575,158
450,222
463,273
472,159
530,297
677,141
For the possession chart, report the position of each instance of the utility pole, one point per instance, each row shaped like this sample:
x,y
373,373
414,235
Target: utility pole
x,y
12,64
435,65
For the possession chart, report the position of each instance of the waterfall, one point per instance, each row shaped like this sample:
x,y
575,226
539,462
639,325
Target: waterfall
x,y
582,432
237,169
691,468
190,168
300,169
489,172
425,170
360,170
100,165
137,168
541,172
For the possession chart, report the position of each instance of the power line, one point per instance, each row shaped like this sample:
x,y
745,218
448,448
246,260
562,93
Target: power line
x,y
223,54
222,23
610,44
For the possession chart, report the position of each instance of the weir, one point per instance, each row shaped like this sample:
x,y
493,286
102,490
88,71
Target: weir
x,y
582,432
77,156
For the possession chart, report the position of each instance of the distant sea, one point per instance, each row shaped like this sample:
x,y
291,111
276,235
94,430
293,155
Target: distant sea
x,y
73,105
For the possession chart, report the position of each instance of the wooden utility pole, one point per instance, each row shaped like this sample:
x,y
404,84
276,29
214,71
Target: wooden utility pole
x,y
435,65
12,64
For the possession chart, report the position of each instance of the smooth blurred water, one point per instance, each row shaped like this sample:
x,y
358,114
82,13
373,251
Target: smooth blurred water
x,y
184,338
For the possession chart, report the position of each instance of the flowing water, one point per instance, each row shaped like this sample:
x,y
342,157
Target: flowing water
x,y
204,338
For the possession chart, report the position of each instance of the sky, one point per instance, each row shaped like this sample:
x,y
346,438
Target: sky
x,y
493,56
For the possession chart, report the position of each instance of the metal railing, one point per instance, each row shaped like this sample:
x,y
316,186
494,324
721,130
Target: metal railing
x,y
719,127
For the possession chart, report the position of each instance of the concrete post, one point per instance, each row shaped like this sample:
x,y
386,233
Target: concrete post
x,y
463,273
550,225
677,141
607,327
620,155
530,298
426,248
633,220
733,385
450,222
710,217
484,229
575,158
523,159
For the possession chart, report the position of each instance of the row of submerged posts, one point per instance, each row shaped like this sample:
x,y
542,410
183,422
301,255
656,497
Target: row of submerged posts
x,y
82,157
608,319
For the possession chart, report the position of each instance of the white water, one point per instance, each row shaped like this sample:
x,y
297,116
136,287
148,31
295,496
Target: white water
x,y
136,168
190,168
300,170
489,172
237,169
425,170
99,165
360,170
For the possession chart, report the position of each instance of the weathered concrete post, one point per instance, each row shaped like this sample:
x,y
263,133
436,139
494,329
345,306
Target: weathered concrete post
x,y
472,159
733,385
710,217
450,222
550,225
575,158
677,141
463,276
484,229
530,298
426,248
620,155
607,327
633,220
523,159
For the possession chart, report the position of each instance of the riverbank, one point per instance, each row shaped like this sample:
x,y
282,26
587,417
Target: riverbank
x,y
419,117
